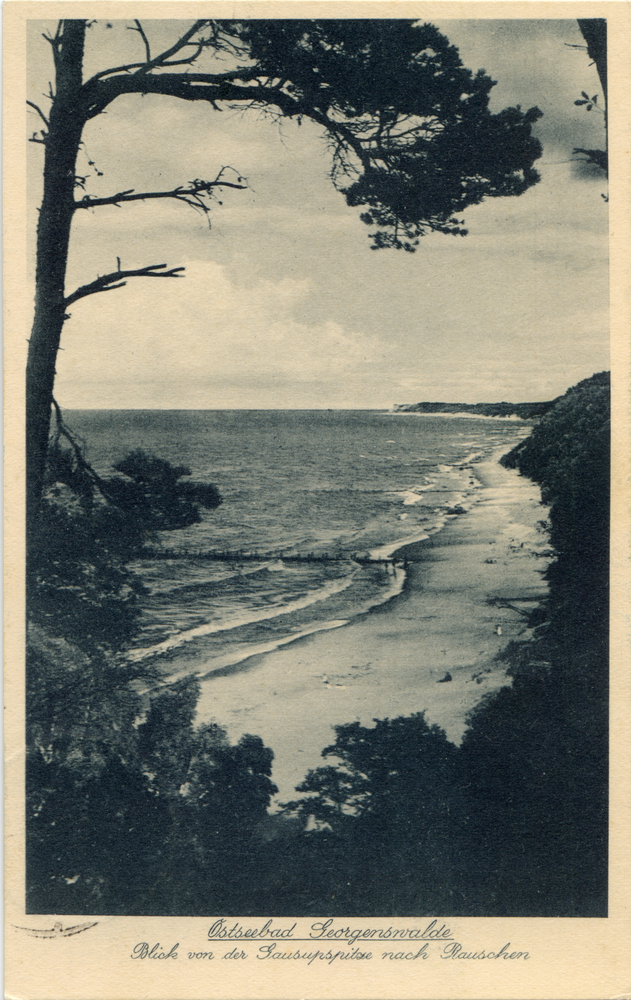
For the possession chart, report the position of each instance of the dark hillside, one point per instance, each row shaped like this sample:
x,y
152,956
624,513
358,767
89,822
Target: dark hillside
x,y
568,454
535,755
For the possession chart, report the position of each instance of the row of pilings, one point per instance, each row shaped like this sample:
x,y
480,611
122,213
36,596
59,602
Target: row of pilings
x,y
241,556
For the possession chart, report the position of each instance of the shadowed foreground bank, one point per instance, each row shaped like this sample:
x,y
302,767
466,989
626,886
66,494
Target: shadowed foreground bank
x,y
167,818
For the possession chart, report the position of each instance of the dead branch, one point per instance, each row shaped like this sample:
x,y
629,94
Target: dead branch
x,y
212,88
108,282
192,195
63,431
243,73
148,64
116,69
177,47
40,113
597,157
141,32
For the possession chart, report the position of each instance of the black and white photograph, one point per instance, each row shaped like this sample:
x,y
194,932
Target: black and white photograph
x,y
317,477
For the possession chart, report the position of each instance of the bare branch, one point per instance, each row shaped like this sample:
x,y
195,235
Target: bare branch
x,y
199,47
116,69
54,43
114,280
209,87
140,31
63,431
597,157
88,201
147,65
243,73
40,113
177,47
193,194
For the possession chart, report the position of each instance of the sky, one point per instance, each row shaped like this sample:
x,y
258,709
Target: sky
x,y
284,304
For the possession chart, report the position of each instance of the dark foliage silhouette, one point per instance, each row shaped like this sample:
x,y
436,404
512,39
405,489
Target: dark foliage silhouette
x,y
409,129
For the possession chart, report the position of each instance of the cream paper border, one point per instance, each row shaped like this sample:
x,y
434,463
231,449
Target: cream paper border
x,y
569,958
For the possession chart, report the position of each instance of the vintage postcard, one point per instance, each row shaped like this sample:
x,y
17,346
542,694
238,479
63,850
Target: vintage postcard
x,y
317,520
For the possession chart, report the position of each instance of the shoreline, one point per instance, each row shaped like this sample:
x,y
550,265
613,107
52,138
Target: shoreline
x,y
464,414
433,647
178,655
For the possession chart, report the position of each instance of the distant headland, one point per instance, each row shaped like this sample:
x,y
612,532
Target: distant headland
x,y
525,411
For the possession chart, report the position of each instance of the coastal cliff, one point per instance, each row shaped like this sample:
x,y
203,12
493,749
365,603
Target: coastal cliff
x,y
536,754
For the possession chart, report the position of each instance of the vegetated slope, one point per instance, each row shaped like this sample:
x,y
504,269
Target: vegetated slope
x,y
535,755
127,800
568,454
513,822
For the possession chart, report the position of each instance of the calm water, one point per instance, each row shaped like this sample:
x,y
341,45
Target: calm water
x,y
341,483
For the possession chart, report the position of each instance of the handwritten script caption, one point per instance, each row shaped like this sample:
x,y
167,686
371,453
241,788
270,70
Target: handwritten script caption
x,y
328,941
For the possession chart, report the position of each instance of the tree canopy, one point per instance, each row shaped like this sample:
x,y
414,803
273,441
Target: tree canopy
x,y
409,127
412,141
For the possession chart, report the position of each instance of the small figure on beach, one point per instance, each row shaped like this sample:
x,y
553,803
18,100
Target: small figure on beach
x,y
498,630
443,680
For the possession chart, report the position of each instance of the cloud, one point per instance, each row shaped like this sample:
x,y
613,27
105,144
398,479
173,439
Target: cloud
x,y
207,330
284,303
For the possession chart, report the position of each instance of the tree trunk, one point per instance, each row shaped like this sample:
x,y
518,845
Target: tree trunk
x,y
594,31
67,118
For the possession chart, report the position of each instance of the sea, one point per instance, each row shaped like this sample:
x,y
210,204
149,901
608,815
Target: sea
x,y
317,508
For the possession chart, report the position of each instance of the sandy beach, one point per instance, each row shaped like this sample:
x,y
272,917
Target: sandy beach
x,y
397,659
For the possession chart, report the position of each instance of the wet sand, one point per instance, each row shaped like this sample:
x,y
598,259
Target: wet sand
x,y
393,661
